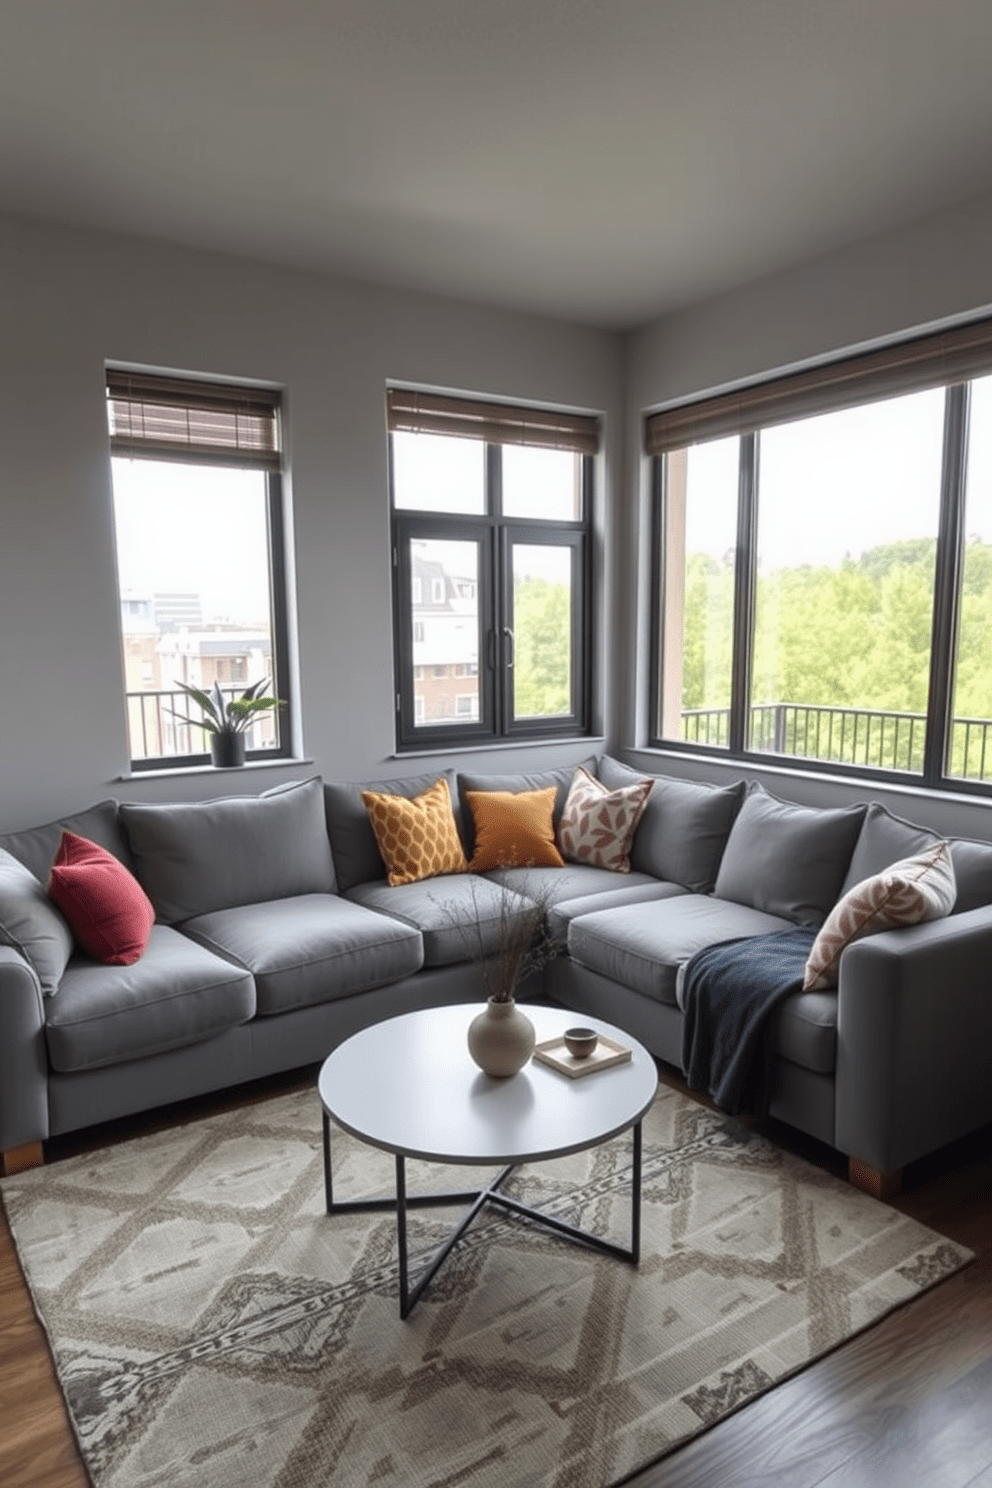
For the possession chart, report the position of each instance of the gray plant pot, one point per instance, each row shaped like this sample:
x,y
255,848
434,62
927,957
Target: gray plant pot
x,y
227,750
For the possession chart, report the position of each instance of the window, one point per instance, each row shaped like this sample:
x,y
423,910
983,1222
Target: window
x,y
491,519
199,536
823,566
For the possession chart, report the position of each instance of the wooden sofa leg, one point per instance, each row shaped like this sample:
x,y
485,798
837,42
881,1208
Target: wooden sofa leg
x,y
17,1159
871,1181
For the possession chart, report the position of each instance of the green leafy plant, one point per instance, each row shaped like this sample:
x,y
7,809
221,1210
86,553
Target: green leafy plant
x,y
227,715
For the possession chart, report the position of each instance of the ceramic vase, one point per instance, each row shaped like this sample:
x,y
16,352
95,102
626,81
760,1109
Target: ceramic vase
x,y
501,1039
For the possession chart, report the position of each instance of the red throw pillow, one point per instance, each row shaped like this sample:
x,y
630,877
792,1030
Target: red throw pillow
x,y
108,911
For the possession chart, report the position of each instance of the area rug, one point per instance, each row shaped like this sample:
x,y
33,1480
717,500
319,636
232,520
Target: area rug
x,y
212,1326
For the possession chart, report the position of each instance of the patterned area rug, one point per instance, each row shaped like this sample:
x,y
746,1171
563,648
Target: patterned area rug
x,y
212,1326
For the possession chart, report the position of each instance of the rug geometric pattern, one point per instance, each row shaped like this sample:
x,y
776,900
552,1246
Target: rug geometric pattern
x,y
211,1325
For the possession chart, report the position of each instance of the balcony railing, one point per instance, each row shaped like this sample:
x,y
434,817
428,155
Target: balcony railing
x,y
876,738
156,734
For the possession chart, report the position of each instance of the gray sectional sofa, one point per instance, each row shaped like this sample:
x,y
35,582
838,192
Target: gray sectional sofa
x,y
277,936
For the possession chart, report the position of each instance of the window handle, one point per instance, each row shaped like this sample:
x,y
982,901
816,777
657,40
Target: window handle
x,y
512,646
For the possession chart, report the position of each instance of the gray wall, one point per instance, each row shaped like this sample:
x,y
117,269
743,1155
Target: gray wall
x,y
71,301
930,272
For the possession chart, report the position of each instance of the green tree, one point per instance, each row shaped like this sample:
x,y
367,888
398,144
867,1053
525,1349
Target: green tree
x,y
542,619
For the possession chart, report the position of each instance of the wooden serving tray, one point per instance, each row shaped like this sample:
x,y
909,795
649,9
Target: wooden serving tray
x,y
606,1053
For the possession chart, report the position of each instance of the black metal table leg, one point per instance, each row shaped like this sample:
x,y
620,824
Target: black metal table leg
x,y
476,1199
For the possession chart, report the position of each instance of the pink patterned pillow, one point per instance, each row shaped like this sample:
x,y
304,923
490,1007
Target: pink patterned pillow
x,y
597,825
906,893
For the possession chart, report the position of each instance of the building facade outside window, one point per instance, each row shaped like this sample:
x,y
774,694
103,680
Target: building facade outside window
x,y
491,515
200,558
823,567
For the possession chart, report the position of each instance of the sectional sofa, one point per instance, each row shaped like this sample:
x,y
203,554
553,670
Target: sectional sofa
x,y
276,936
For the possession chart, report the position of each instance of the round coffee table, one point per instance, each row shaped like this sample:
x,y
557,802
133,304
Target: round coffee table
x,y
409,1086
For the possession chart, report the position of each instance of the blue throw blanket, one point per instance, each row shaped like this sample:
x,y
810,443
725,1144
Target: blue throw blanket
x,y
730,992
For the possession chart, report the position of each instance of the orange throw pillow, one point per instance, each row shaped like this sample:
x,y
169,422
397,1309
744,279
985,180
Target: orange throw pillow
x,y
514,829
417,838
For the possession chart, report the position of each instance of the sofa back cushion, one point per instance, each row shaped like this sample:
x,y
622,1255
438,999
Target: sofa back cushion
x,y
973,872
31,924
684,829
357,858
788,860
203,856
36,847
885,839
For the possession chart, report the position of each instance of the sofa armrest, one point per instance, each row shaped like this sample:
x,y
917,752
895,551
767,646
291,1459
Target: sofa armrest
x,y
914,1039
23,1055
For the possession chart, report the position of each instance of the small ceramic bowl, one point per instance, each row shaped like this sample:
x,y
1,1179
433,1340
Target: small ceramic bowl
x,y
580,1042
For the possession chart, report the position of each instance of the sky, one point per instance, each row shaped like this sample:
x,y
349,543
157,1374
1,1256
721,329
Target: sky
x,y
843,482
194,528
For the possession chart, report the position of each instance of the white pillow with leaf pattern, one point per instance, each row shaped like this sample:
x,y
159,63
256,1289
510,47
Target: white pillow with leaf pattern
x,y
915,889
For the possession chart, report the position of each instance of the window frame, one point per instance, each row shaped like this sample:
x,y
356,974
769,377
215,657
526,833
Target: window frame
x,y
124,382
494,536
949,561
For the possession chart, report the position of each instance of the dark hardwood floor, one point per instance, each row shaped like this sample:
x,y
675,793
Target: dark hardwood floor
x,y
907,1404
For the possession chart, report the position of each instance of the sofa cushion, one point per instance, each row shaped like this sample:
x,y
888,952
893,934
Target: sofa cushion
x,y
356,854
561,779
684,829
572,881
884,839
31,924
806,1031
201,856
513,829
597,825
416,838
906,893
788,860
640,891
972,872
459,917
177,994
36,847
309,949
642,946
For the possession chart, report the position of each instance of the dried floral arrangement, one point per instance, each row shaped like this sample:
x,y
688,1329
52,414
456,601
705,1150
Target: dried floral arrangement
x,y
508,941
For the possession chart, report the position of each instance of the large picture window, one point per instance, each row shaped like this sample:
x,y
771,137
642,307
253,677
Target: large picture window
x,y
491,517
199,540
823,567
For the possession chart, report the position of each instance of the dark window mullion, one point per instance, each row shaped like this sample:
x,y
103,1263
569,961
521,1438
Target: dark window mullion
x,y
745,581
407,528
947,582
279,609
550,535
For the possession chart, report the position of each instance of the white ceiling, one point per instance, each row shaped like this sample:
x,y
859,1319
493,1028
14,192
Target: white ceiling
x,y
601,160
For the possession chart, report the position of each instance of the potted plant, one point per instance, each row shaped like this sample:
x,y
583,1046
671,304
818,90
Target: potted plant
x,y
227,719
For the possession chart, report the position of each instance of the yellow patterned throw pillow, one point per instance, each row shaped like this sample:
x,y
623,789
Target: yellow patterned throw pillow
x,y
417,838
598,825
906,893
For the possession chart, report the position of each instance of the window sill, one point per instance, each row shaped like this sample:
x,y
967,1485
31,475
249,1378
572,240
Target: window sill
x,y
729,762
495,745
177,772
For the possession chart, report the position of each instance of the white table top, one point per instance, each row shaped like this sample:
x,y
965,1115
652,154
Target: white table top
x,y
409,1086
